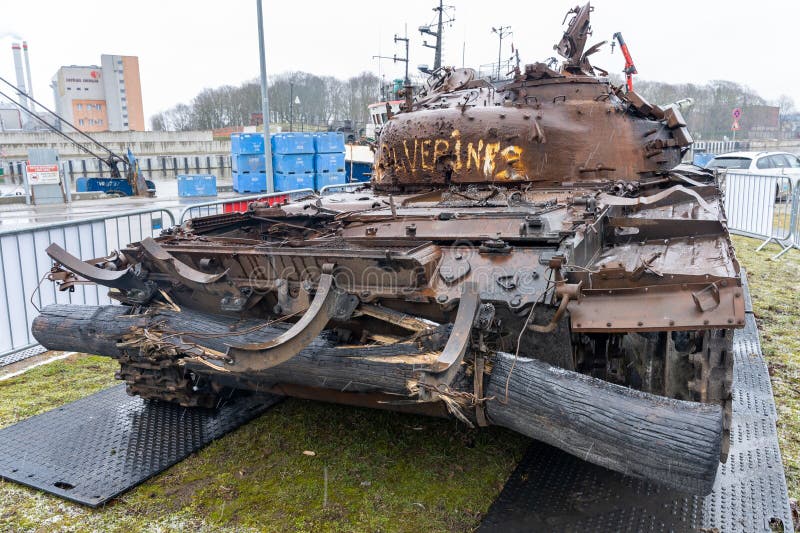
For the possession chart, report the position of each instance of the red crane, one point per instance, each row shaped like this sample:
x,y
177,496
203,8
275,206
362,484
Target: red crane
x,y
630,68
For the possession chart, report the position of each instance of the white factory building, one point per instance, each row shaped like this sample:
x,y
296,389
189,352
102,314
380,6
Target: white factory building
x,y
95,98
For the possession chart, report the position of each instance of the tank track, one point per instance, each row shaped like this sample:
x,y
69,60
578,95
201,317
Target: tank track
x,y
163,380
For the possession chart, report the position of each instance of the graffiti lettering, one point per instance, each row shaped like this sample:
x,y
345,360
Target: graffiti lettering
x,y
474,155
491,159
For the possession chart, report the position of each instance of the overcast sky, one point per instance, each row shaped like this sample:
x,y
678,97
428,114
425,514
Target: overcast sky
x,y
185,46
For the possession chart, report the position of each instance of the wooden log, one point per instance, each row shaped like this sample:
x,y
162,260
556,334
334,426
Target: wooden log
x,y
675,443
84,328
672,442
97,329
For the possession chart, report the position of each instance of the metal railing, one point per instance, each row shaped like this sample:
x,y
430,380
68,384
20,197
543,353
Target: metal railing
x,y
237,204
763,207
24,263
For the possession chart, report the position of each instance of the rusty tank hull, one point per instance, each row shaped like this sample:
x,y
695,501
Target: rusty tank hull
x,y
530,256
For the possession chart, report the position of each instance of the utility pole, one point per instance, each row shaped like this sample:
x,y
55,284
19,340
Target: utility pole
x,y
406,79
265,101
501,31
291,106
437,57
426,30
396,59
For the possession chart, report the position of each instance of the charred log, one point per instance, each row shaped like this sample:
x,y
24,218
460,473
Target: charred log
x,y
324,363
674,442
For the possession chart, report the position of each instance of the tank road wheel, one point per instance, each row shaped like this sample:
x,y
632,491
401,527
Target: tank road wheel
x,y
164,380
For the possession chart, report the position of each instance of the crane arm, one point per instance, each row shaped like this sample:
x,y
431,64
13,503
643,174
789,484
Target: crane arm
x,y
630,68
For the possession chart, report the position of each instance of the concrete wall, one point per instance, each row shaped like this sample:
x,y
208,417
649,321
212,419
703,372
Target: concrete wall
x,y
142,143
160,154
787,145
155,167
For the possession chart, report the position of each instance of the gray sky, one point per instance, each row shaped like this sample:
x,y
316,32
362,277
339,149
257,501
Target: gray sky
x,y
185,46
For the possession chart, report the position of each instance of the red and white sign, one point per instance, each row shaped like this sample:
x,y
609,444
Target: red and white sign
x,y
41,174
735,126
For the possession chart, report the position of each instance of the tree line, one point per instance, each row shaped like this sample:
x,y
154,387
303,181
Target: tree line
x,y
710,116
326,100
323,100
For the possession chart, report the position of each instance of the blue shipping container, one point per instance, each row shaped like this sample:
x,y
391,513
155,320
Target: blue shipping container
x,y
289,182
329,162
293,164
190,185
247,143
329,141
329,178
292,143
248,164
358,171
249,182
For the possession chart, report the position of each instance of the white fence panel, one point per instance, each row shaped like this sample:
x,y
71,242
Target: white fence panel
x,y
23,263
758,206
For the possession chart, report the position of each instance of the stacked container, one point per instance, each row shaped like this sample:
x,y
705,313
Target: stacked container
x,y
192,185
293,161
248,166
329,166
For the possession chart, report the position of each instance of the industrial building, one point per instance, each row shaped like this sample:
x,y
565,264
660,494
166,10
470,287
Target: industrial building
x,y
101,98
10,118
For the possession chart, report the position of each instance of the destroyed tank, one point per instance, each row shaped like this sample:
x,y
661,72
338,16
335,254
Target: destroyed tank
x,y
529,255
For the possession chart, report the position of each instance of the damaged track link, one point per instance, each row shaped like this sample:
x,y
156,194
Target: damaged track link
x,y
164,379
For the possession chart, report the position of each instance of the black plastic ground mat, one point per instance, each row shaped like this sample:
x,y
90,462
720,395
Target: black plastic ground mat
x,y
98,447
21,355
553,491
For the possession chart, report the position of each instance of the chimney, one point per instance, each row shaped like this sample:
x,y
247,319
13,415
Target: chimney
x,y
28,71
15,48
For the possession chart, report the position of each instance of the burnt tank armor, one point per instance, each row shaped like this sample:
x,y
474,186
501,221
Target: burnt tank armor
x,y
545,128
530,255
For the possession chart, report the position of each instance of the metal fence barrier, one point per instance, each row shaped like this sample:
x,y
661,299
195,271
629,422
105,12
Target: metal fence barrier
x,y
24,263
763,207
237,204
343,187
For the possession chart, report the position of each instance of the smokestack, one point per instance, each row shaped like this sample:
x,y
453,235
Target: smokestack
x,y
15,48
28,71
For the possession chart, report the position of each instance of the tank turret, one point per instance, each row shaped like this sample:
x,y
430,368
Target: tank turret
x,y
545,127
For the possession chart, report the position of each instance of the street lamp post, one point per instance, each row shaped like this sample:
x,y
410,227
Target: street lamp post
x,y
295,102
291,106
264,99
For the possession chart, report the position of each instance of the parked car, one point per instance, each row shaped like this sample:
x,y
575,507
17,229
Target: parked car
x,y
780,164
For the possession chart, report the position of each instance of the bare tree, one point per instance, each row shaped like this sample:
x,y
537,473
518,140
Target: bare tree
x,y
158,122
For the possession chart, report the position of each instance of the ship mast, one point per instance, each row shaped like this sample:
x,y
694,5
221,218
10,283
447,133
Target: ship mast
x,y
427,30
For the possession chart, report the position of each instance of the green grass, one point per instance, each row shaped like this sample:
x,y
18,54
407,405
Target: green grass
x,y
53,384
386,471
